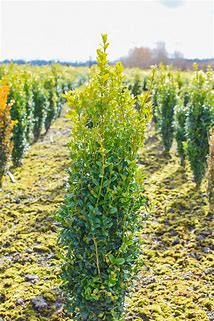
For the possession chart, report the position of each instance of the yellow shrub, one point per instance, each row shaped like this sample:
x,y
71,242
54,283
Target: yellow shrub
x,y
6,128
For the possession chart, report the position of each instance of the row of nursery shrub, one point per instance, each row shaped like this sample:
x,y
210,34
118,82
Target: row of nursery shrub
x,y
36,96
6,128
183,109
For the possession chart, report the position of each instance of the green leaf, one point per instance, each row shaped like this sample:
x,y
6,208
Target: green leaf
x,y
119,261
113,210
111,258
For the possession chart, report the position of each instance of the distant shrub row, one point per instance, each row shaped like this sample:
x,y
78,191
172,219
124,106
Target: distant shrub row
x,y
36,97
183,108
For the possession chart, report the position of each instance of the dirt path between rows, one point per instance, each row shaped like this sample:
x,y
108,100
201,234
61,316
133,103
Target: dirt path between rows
x,y
28,261
176,282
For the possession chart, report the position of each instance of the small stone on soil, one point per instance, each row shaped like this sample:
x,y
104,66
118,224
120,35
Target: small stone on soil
x,y
209,271
31,278
175,242
2,298
199,237
39,303
19,301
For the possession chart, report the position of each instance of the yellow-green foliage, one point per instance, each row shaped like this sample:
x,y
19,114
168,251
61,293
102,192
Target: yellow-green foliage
x,y
6,127
101,216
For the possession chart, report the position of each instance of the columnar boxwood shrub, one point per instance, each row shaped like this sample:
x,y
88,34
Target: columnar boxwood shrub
x,y
28,88
199,121
101,218
19,114
164,112
159,79
6,127
154,103
59,88
136,86
210,189
146,83
180,115
51,114
41,103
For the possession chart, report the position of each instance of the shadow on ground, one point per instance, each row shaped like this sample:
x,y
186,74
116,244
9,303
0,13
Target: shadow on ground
x,y
176,281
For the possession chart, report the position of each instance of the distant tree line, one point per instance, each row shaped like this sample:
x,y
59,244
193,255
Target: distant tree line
x,y
144,57
42,62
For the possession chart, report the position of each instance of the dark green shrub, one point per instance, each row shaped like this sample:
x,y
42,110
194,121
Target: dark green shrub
x,y
180,115
41,103
154,103
199,121
136,86
58,77
37,94
146,83
101,217
166,96
28,89
210,187
18,114
52,108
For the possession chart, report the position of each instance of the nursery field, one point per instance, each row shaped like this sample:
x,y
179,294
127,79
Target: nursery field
x,y
176,280
106,193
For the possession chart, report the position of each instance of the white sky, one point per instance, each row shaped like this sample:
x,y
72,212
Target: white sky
x,y
70,30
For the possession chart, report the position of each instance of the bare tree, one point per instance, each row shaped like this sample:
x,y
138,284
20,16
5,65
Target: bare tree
x,y
160,54
139,57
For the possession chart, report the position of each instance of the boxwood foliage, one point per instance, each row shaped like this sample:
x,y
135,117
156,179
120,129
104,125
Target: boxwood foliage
x,y
6,128
101,216
136,85
28,89
210,187
41,103
36,92
200,117
166,101
59,88
19,114
180,115
159,78
51,87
